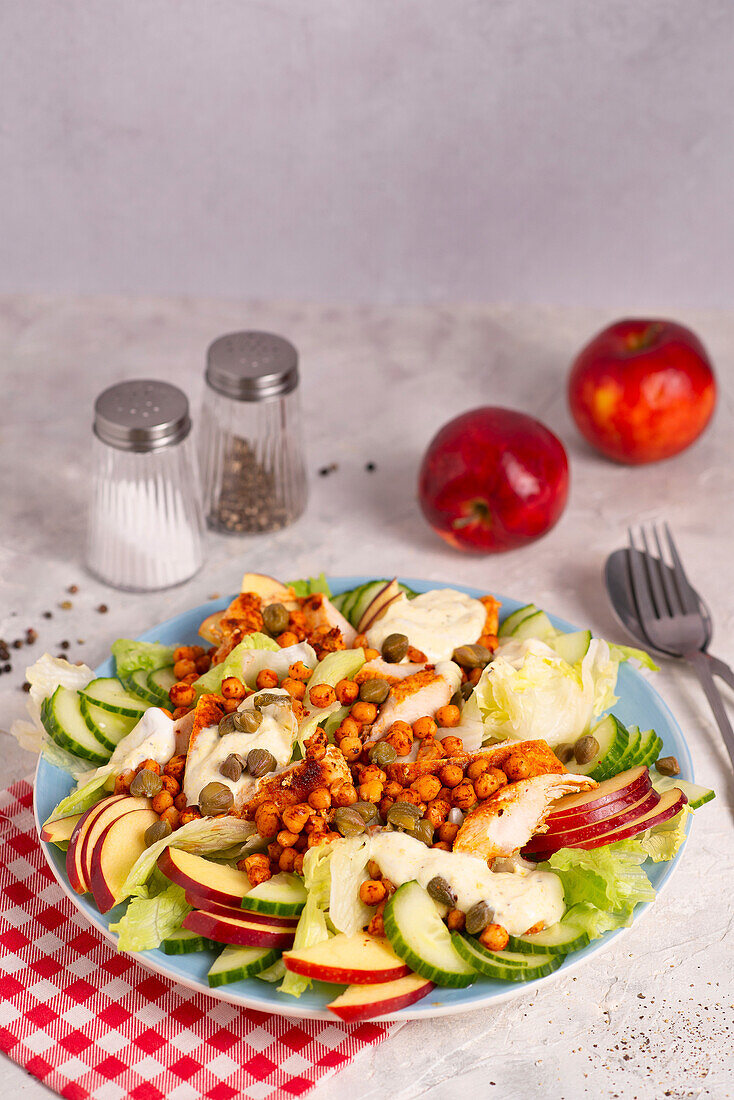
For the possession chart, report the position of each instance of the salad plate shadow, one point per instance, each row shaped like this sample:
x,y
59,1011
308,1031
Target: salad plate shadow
x,y
638,703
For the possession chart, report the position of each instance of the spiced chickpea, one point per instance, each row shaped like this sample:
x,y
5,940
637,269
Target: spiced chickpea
x,y
494,937
266,678
437,811
180,801
372,771
231,705
489,783
295,817
191,813
298,864
167,713
123,781
455,920
384,805
416,656
360,642
320,799
453,746
442,846
372,892
172,817
179,712
393,789
295,688
183,653
427,787
350,727
274,849
257,868
350,747
267,819
343,793
477,767
371,654
170,784
535,928
176,767
298,671
424,727
430,750
373,869
286,639
400,741
287,860
286,838
475,676
183,668
464,796
233,688
409,795
161,802
347,692
450,775
191,678
370,791
516,767
376,927
447,832
181,694
364,712
203,664
448,716
149,766
321,695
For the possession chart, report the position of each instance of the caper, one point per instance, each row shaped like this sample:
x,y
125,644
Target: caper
x,y
471,656
668,765
395,648
403,815
374,691
229,724
585,749
232,767
466,690
367,811
260,762
268,698
215,798
275,618
247,721
146,784
564,752
440,890
157,831
424,831
478,917
383,754
349,821
457,699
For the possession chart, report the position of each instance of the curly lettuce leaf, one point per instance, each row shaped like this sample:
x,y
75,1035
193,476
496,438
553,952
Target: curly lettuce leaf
x,y
148,921
310,586
342,665
664,841
611,878
623,653
211,681
312,927
84,797
130,655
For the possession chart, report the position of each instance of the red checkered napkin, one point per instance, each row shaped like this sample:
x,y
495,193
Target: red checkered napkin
x,y
89,1022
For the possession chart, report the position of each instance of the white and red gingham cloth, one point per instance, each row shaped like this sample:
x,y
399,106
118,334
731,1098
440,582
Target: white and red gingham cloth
x,y
91,1023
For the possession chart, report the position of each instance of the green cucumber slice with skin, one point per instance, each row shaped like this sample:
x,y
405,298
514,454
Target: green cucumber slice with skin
x,y
64,722
613,740
365,599
108,728
421,939
506,966
696,794
629,756
237,963
559,939
514,620
137,684
107,692
160,682
283,895
536,625
350,599
650,747
572,647
184,942
337,601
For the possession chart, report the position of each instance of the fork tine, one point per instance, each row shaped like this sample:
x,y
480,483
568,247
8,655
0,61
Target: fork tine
x,y
652,565
687,599
638,581
671,592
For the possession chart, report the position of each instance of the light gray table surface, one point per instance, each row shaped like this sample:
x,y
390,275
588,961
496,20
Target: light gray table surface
x,y
652,1016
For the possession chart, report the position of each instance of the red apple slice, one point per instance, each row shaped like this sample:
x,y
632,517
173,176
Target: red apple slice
x,y
114,854
626,788
364,1002
220,910
379,604
78,879
244,933
568,838
214,881
360,959
59,831
669,804
127,805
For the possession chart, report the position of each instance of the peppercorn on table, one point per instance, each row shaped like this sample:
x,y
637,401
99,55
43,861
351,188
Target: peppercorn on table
x,y
654,1013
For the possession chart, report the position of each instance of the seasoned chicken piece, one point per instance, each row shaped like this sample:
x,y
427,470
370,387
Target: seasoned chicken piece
x,y
297,782
504,823
537,757
383,670
492,621
319,612
417,695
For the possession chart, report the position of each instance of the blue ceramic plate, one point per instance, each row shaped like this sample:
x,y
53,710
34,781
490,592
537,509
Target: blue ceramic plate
x,y
639,704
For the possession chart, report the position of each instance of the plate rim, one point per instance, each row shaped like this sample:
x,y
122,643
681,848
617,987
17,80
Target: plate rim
x,y
430,1009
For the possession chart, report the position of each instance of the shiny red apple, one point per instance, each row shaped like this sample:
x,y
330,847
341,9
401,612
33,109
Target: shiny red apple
x,y
493,479
642,390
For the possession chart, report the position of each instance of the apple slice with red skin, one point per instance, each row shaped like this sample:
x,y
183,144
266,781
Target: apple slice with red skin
x,y
214,881
114,854
364,1002
59,831
244,933
669,804
220,910
78,879
621,790
127,805
567,838
360,959
379,604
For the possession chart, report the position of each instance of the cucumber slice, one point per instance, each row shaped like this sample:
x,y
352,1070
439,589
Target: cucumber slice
x,y
337,601
561,938
506,966
696,795
536,625
650,746
514,620
137,684
237,963
572,647
421,939
64,722
184,942
366,596
630,754
408,592
613,740
350,599
160,682
283,895
108,728
107,692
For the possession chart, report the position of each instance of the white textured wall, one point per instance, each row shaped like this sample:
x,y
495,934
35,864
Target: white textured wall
x,y
574,151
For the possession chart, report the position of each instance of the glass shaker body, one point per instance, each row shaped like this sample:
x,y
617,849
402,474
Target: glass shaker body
x,y
145,524
251,452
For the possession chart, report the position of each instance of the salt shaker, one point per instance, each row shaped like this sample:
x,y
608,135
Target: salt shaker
x,y
145,523
251,446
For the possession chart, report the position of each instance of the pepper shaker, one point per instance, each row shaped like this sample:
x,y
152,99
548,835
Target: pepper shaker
x,y
251,447
145,523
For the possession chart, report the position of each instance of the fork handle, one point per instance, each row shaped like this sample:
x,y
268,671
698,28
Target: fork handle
x,y
722,670
700,664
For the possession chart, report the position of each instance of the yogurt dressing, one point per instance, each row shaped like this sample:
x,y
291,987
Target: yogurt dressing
x,y
277,733
519,898
154,738
435,622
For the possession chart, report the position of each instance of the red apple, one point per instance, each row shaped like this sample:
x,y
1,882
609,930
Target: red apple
x,y
564,837
60,830
364,1002
621,790
244,933
118,848
209,906
360,959
642,390
669,804
493,479
215,881
76,865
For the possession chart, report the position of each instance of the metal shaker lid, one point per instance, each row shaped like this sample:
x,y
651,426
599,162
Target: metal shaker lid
x,y
142,416
252,366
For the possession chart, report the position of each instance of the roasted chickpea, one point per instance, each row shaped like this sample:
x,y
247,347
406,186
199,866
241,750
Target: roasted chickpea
x,y
231,705
172,817
448,716
371,791
287,639
295,817
416,656
320,799
343,793
424,727
475,676
477,767
181,694
372,892
257,868
180,801
464,796
442,846
455,920
350,727
453,746
376,927
287,860
191,813
535,928
183,668
350,747
161,802
232,688
430,750
176,767
298,671
384,805
203,664
494,937
364,712
413,797
123,781
183,653
489,783
393,789
171,785
179,712
267,819
274,850
437,811
371,654
295,688
266,678
401,742
372,771
360,642
322,695
451,775
347,692
516,767
427,787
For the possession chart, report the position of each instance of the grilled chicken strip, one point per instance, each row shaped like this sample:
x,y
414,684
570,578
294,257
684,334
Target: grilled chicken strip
x,y
417,695
383,670
297,782
505,822
319,611
538,758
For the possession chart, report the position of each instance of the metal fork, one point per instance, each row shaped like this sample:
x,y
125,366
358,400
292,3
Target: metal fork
x,y
671,617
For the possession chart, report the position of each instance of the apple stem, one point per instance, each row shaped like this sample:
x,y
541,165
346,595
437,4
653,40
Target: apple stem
x,y
476,511
638,341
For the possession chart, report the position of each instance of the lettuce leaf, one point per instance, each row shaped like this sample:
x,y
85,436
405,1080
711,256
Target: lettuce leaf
x,y
130,655
312,927
211,681
348,860
310,586
663,841
44,676
274,973
84,797
611,878
148,921
342,665
622,653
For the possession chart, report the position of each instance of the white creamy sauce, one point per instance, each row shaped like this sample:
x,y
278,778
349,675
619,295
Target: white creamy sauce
x,y
277,733
520,898
435,622
154,738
